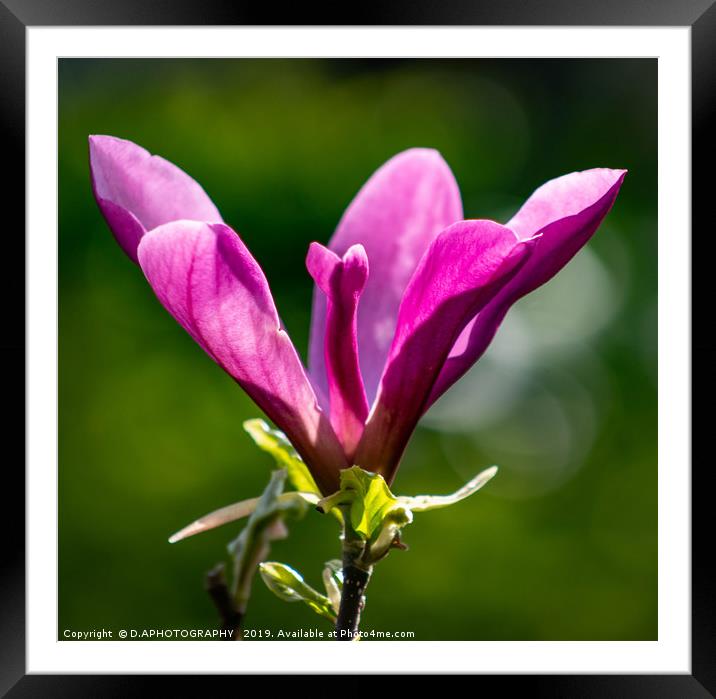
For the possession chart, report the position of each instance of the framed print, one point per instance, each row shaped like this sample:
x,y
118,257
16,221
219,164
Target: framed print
x,y
373,333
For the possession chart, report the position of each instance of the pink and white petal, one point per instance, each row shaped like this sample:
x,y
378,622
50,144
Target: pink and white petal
x,y
342,280
460,273
565,212
137,191
565,196
206,278
395,216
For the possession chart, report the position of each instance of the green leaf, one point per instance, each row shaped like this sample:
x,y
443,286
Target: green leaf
x,y
275,443
376,516
423,503
369,497
289,585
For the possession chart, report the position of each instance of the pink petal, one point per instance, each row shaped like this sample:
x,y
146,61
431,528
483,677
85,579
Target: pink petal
x,y
207,279
342,281
137,191
463,269
566,212
395,216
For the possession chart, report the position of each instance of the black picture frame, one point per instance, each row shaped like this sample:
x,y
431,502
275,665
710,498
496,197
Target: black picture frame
x,y
16,15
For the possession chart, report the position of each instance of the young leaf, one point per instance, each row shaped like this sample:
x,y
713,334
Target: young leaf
x,y
289,585
390,528
275,443
333,582
266,523
423,503
371,499
376,516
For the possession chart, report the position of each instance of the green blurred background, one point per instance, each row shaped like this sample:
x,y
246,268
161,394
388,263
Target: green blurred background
x,y
562,544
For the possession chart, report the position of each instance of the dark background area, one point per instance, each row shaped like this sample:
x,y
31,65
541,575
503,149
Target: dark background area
x,y
562,545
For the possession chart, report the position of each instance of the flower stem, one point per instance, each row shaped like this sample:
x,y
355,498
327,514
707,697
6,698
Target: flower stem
x,y
355,580
356,574
230,616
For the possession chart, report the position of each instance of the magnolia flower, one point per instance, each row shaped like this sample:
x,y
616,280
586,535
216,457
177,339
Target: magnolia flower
x,y
408,294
